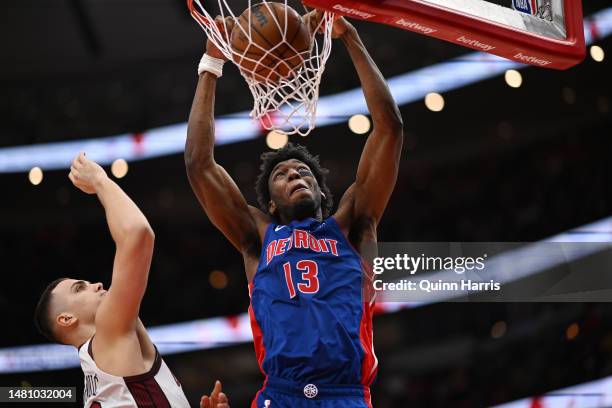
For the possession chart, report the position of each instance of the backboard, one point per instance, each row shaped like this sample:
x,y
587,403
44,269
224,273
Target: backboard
x,y
544,33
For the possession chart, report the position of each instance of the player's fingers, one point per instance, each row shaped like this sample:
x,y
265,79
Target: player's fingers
x,y
222,397
219,22
77,163
205,402
228,26
216,390
81,157
71,177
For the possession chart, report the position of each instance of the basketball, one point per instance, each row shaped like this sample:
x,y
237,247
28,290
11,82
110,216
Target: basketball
x,y
270,41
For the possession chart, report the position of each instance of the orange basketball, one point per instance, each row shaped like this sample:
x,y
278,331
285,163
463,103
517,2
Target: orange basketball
x,y
270,41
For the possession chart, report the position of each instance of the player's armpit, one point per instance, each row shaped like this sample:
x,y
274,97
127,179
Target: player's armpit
x,y
377,173
344,214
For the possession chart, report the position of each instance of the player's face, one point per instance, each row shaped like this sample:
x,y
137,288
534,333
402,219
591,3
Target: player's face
x,y
294,190
79,298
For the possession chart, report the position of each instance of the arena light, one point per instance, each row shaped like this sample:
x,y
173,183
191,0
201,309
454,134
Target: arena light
x,y
359,124
218,279
498,330
513,78
276,140
119,168
35,175
434,101
572,331
597,53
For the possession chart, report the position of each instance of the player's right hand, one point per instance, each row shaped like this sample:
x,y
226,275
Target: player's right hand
x,y
86,174
217,399
225,27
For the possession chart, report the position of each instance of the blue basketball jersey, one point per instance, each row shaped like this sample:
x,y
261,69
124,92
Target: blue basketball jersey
x,y
310,322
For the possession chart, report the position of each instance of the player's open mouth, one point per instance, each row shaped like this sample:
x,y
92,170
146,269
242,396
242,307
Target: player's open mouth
x,y
298,188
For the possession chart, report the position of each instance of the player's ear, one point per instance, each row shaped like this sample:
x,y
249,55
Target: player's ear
x,y
65,319
271,207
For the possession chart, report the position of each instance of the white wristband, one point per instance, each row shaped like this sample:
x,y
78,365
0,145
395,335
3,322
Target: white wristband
x,y
212,65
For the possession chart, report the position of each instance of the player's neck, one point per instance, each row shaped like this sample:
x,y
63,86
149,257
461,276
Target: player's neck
x,y
82,334
286,219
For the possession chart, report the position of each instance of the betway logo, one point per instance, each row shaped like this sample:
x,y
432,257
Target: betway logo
x,y
414,26
531,59
351,11
475,43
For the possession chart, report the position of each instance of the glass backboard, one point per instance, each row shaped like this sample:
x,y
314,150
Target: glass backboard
x,y
545,33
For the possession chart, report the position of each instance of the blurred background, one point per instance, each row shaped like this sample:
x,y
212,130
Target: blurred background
x,y
497,163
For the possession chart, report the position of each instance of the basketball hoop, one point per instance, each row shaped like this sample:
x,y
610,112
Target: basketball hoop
x,y
284,103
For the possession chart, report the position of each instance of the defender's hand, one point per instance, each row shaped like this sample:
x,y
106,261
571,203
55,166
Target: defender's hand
x,y
86,174
217,399
211,48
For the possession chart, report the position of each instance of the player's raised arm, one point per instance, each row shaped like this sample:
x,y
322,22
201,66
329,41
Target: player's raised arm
x,y
378,166
217,192
133,237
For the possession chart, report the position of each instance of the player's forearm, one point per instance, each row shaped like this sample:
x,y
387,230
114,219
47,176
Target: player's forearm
x,y
201,129
381,105
125,220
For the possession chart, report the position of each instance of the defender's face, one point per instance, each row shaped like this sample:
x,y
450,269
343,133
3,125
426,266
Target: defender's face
x,y
79,298
292,186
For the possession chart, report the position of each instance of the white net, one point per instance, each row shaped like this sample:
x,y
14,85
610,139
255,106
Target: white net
x,y
282,74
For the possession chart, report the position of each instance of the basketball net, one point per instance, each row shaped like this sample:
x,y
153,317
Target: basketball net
x,y
287,105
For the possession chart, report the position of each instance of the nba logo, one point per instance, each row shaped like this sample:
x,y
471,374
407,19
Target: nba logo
x,y
526,6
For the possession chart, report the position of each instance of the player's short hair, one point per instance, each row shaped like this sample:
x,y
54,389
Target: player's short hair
x,y
288,152
42,317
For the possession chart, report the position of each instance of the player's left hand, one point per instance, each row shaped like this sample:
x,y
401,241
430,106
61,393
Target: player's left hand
x,y
341,26
86,174
217,399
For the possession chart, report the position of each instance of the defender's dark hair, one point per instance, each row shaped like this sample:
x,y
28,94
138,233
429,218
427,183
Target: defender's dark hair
x,y
292,151
42,317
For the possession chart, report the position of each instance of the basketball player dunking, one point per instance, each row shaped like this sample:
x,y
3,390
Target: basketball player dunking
x,y
122,366
312,328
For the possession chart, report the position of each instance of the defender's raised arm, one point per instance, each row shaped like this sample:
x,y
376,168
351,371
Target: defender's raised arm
x,y
133,237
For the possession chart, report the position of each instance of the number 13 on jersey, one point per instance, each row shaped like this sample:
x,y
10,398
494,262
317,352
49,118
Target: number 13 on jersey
x,y
309,270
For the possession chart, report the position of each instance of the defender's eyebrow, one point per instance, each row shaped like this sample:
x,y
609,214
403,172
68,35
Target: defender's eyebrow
x,y
75,284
